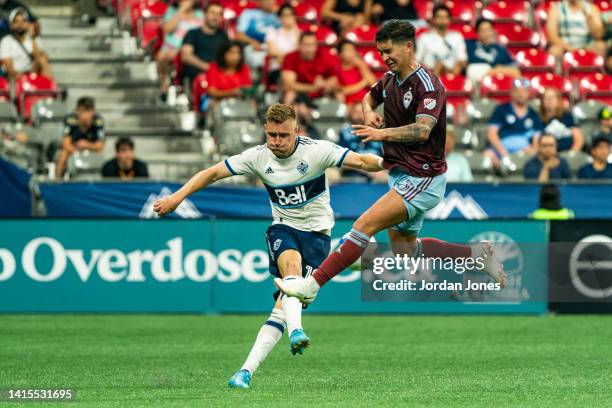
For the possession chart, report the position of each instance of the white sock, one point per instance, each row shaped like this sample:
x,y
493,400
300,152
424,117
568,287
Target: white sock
x,y
293,313
269,334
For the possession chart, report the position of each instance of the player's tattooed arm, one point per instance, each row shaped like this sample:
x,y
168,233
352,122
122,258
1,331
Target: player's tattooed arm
x,y
415,132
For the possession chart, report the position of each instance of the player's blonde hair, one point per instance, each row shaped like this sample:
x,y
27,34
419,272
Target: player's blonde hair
x,y
280,113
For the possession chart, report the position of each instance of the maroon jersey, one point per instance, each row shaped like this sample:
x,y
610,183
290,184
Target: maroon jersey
x,y
420,93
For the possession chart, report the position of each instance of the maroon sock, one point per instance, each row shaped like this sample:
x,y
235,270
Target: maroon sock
x,y
342,258
434,248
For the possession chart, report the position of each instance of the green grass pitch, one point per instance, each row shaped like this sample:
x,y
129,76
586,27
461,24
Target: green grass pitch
x,y
381,361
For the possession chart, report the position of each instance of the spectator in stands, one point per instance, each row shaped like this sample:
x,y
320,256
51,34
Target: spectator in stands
x,y
185,15
459,170
600,168
486,56
6,8
559,122
346,14
547,164
608,62
550,205
383,10
125,165
574,24
605,125
308,70
440,49
84,130
200,45
356,144
304,108
354,75
513,126
253,25
19,51
282,41
228,76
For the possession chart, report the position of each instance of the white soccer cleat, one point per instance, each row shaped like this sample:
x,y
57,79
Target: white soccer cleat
x,y
492,266
304,289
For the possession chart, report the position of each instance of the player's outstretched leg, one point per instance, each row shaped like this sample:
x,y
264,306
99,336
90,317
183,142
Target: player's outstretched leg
x,y
269,334
492,266
387,211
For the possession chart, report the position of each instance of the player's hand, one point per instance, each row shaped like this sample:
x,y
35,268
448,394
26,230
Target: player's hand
x,y
373,119
166,205
82,144
368,133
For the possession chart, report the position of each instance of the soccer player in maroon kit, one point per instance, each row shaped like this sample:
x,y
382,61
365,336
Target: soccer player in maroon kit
x,y
413,134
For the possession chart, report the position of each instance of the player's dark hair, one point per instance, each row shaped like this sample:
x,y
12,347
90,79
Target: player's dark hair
x,y
440,7
307,33
285,6
223,49
550,197
482,21
280,113
124,141
86,102
398,31
343,43
211,4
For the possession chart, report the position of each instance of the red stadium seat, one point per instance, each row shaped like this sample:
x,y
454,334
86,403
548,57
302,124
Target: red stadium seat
x,y
233,9
199,89
467,30
5,89
597,86
517,37
372,58
604,6
496,87
535,61
539,83
364,35
423,9
178,70
150,33
458,90
325,35
30,88
463,11
265,77
513,11
308,11
540,12
147,10
581,63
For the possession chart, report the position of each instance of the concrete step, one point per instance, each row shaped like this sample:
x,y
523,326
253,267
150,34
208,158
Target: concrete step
x,y
143,96
103,72
63,26
159,122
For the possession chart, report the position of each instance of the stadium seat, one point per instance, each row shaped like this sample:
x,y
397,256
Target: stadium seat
x,y
236,136
330,110
330,130
152,10
372,58
519,159
48,110
149,27
232,109
8,113
535,61
458,90
364,35
30,88
308,11
504,12
424,9
233,9
604,6
199,88
540,12
496,87
575,159
463,11
325,35
479,163
5,89
467,30
581,63
85,163
597,87
540,82
518,37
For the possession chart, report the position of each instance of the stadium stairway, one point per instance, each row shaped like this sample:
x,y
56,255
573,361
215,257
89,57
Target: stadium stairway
x,y
102,62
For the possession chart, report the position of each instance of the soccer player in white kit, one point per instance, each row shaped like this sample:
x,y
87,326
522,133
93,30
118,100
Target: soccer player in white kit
x,y
292,168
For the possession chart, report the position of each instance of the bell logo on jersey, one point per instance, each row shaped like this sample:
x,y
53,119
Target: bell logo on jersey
x,y
429,103
298,197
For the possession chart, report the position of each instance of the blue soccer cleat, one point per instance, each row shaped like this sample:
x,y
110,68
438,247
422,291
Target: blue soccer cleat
x,y
240,379
298,341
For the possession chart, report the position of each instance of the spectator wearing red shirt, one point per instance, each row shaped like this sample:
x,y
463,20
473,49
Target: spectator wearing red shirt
x,y
228,75
354,76
308,70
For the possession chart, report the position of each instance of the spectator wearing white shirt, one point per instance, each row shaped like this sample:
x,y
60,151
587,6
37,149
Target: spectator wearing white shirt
x,y
440,49
19,51
459,170
283,40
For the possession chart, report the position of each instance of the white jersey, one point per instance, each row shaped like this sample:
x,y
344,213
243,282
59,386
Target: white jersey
x,y
297,185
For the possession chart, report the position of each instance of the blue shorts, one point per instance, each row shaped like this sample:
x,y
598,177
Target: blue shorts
x,y
420,195
313,246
